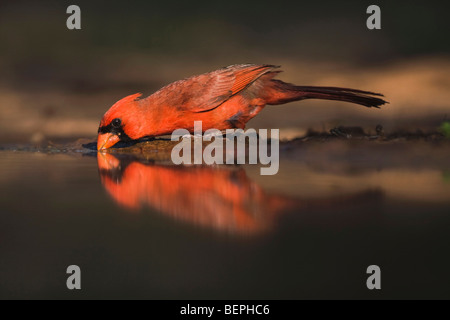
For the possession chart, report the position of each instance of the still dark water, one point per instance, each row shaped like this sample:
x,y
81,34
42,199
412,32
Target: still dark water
x,y
156,231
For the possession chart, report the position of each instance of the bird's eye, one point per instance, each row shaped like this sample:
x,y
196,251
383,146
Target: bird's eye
x,y
116,122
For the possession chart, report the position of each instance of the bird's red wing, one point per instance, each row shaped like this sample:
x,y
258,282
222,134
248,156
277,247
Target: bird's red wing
x,y
218,86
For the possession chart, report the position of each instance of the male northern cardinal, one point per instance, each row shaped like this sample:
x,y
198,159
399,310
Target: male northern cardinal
x,y
223,99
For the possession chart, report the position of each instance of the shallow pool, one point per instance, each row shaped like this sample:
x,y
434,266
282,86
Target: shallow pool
x,y
149,229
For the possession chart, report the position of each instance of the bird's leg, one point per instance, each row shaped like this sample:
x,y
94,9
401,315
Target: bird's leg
x,y
216,135
209,136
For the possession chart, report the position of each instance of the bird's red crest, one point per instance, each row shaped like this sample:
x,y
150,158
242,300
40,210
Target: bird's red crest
x,y
132,97
118,106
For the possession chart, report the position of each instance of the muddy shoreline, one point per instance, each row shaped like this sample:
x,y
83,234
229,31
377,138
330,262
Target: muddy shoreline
x,y
339,145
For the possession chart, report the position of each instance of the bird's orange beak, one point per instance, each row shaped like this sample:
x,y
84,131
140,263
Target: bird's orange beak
x,y
106,140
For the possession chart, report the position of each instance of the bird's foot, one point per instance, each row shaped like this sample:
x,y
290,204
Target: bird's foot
x,y
208,136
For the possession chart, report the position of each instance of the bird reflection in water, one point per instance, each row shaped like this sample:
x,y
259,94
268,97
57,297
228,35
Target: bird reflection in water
x,y
222,198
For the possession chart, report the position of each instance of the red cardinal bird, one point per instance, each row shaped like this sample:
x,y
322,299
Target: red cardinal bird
x,y
223,99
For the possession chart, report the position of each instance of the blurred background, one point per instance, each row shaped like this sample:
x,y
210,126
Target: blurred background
x,y
57,83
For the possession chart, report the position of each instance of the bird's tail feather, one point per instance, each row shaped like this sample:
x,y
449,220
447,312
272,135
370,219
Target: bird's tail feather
x,y
282,92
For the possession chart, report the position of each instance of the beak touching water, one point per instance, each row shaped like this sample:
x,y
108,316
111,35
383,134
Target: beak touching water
x,y
106,140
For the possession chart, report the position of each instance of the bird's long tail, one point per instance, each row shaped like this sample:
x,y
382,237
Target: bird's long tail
x,y
281,92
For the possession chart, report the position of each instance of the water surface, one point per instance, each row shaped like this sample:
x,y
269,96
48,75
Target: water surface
x,y
146,229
